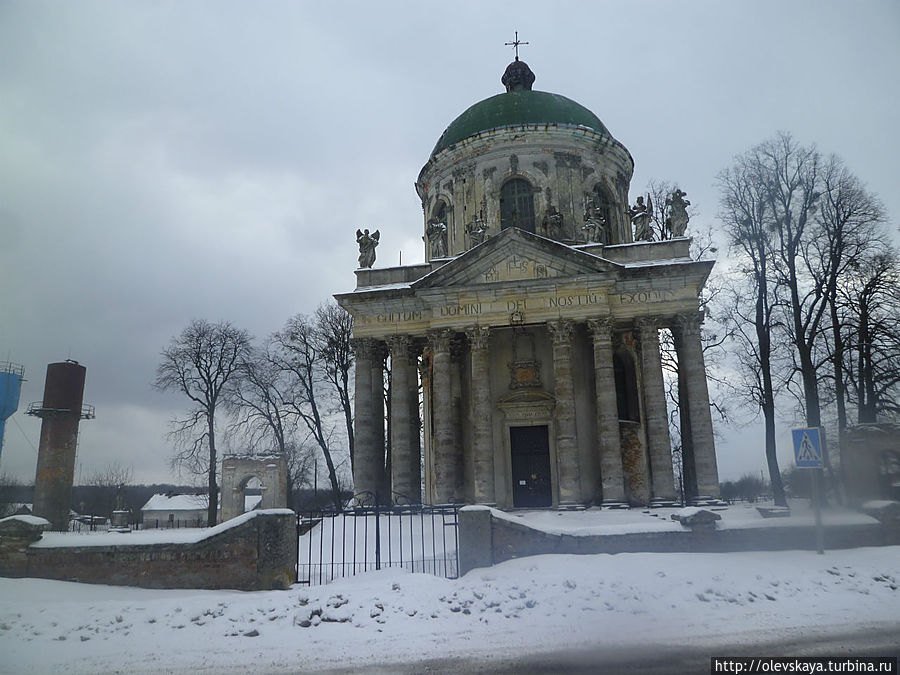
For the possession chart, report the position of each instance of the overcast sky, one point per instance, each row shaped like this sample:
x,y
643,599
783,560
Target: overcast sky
x,y
174,160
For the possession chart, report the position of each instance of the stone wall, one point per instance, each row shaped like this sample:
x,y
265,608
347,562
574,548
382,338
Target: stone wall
x,y
256,551
485,540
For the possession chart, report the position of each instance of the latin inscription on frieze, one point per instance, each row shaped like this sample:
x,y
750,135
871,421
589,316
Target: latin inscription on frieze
x,y
645,296
398,317
574,300
578,303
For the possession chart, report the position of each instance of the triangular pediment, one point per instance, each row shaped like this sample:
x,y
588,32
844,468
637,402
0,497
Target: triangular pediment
x,y
515,255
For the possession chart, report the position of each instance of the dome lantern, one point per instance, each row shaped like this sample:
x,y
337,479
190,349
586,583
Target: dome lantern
x,y
518,76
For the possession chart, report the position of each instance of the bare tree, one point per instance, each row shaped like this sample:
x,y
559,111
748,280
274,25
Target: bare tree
x,y
333,333
744,213
869,299
802,224
200,363
849,220
262,408
113,474
298,354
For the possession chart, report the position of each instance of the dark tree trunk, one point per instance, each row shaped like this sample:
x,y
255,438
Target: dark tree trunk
x,y
212,512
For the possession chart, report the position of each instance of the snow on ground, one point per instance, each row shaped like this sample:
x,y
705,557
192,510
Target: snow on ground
x,y
530,605
738,516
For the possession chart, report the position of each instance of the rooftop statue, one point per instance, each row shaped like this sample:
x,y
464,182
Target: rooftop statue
x,y
678,218
553,220
367,243
436,238
641,216
476,231
594,223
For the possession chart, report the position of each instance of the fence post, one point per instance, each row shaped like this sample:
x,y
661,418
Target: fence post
x,y
377,534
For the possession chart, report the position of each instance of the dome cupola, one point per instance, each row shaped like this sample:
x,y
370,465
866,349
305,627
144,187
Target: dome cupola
x,y
529,159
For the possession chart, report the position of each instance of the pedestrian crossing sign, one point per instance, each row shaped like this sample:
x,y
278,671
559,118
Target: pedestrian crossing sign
x,y
808,447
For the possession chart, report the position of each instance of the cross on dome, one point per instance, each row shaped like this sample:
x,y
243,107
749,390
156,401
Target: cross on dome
x,y
515,43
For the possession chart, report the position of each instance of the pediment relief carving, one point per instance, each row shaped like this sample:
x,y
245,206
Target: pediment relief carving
x,y
514,255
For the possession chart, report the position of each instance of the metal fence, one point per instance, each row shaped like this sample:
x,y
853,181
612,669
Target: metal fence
x,y
340,544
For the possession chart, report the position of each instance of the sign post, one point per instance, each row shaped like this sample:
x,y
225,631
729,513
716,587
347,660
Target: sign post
x,y
809,455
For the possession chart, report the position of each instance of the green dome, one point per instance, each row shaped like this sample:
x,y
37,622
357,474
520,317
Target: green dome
x,y
514,108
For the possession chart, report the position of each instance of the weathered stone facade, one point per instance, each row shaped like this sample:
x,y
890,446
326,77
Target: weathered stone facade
x,y
536,338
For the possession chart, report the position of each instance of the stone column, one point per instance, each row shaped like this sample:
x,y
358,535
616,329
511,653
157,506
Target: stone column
x,y
415,428
612,479
482,419
444,446
379,356
567,464
368,423
656,416
691,359
401,442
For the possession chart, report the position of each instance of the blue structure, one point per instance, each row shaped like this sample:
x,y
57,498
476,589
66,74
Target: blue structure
x,y
11,376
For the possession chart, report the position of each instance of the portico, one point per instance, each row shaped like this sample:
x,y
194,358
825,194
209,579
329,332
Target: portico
x,y
540,373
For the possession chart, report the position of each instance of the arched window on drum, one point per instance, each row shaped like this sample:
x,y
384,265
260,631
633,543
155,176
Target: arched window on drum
x,y
517,205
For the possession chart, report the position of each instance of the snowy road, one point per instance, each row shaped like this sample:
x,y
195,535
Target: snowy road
x,y
664,609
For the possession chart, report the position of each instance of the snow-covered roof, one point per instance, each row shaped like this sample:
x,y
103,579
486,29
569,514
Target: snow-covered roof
x,y
163,502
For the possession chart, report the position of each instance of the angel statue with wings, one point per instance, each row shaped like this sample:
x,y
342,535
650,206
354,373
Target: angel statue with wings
x,y
367,243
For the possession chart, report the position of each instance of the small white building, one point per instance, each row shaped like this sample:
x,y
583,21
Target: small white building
x,y
164,510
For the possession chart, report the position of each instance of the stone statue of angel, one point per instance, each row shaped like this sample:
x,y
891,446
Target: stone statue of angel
x,y
367,243
641,216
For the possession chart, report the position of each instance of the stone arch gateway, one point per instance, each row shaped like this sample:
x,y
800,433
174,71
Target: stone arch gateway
x,y
238,470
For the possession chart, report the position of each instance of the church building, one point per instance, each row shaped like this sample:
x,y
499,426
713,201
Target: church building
x,y
524,354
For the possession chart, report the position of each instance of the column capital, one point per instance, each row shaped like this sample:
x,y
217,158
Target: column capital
x,y
601,327
647,324
561,330
399,345
439,340
689,322
478,336
365,348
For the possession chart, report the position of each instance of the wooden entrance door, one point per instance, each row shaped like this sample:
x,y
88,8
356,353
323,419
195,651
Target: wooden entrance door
x,y
530,449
